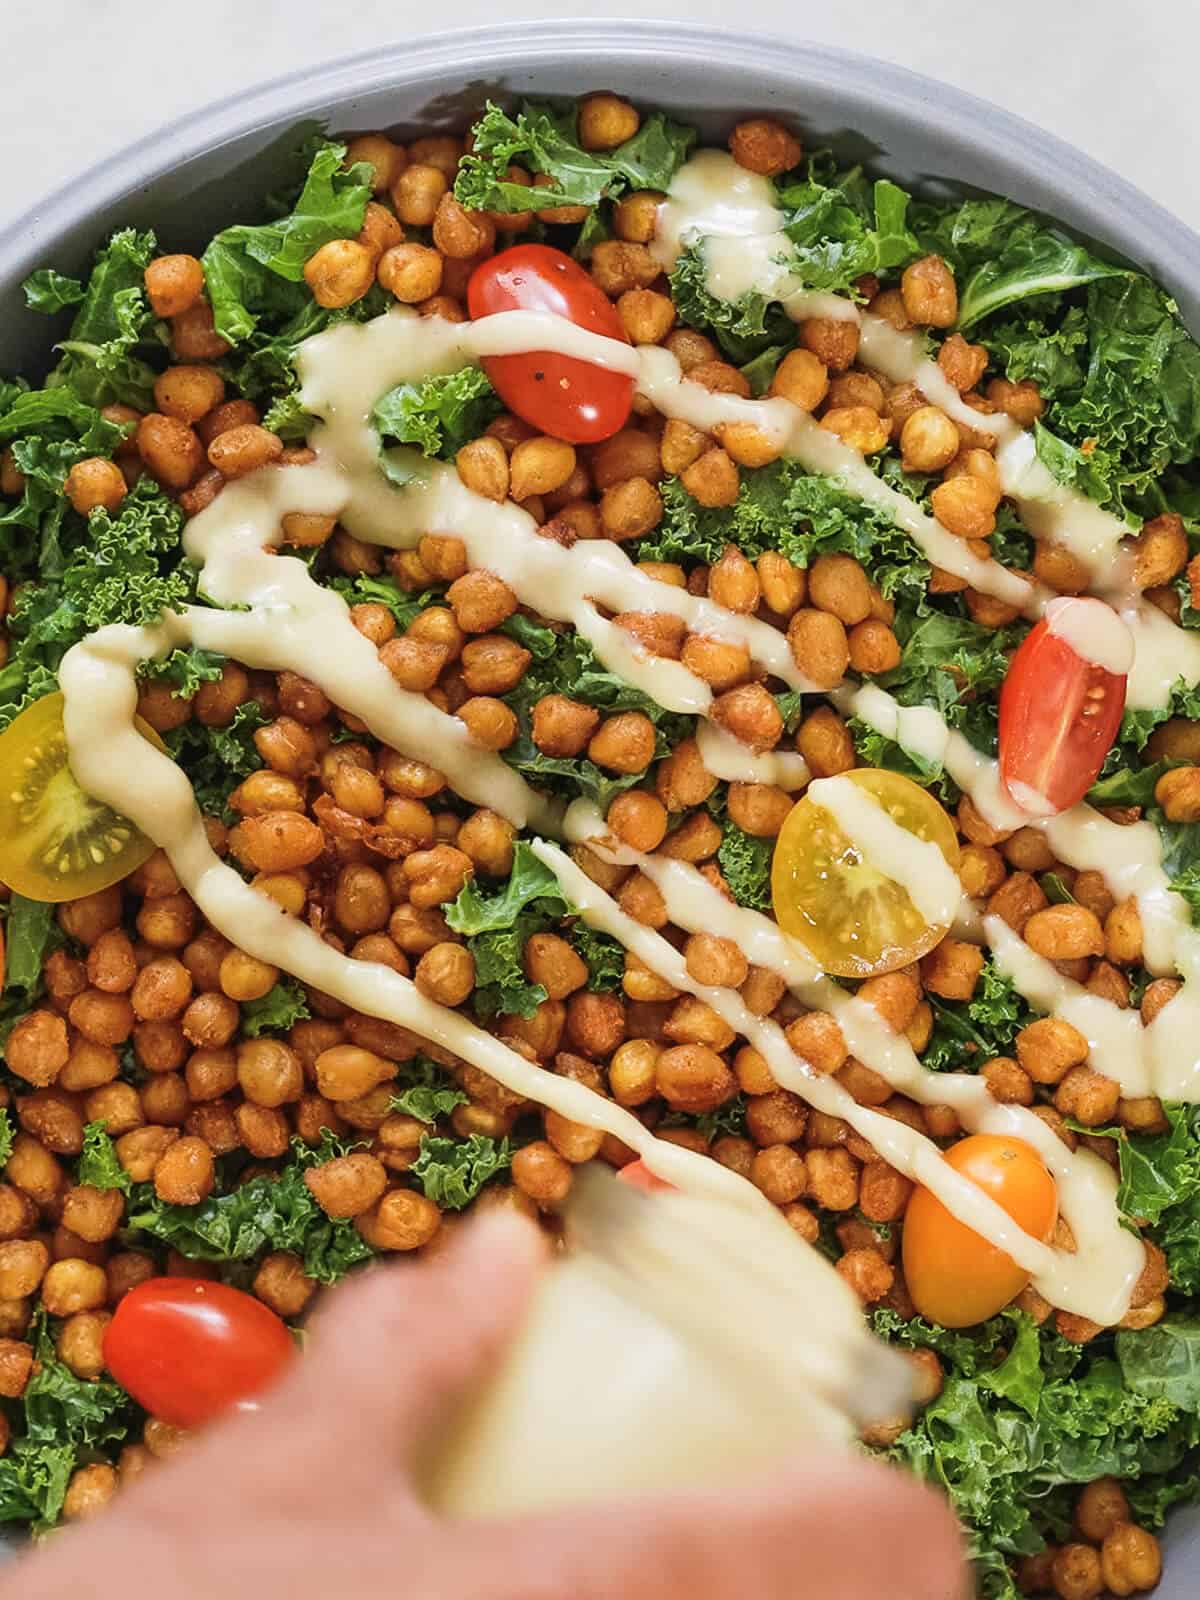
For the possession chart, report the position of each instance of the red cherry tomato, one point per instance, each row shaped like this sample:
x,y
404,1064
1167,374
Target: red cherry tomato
x,y
638,1176
555,394
1059,713
188,1350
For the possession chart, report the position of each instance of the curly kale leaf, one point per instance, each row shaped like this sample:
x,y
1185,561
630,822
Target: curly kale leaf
x,y
440,414
543,139
274,1211
451,1172
254,272
966,1033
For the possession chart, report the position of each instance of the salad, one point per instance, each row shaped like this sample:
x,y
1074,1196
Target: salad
x,y
562,645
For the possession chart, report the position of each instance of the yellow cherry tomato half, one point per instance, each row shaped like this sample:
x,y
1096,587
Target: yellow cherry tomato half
x,y
56,842
954,1276
856,921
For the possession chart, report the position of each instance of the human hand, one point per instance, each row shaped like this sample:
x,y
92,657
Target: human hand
x,y
313,1494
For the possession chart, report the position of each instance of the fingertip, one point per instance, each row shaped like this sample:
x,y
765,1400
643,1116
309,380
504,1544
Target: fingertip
x,y
917,1525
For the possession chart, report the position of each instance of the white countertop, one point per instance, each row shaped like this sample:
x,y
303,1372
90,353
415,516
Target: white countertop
x,y
88,76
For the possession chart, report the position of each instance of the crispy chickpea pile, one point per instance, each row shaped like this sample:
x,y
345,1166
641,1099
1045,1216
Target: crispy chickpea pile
x,y
142,1025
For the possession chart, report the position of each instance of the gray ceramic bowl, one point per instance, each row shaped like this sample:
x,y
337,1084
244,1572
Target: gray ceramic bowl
x,y
193,176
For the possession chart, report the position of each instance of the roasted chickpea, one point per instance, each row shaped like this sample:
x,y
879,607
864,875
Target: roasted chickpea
x,y
764,146
173,284
929,293
340,272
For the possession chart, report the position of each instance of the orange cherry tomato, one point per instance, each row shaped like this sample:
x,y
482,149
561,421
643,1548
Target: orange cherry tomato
x,y
956,1277
556,394
1059,714
638,1176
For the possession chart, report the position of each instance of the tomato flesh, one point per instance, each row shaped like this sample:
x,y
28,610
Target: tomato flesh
x,y
638,1176
556,394
56,842
955,1277
1059,715
188,1349
852,918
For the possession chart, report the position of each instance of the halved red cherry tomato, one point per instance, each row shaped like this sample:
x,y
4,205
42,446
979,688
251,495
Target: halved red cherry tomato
x,y
638,1176
188,1350
555,394
1059,712
954,1276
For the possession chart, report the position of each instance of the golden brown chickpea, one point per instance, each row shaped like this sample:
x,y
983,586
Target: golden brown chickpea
x,y
263,1130
867,1273
491,723
779,1172
1101,1507
401,1220
417,192
94,483
721,663
1088,1097
693,1078
1075,1572
630,509
460,234
110,962
826,743
883,1193
340,272
631,1072
80,1343
269,1072
170,449
833,1179
540,1172
624,742
873,647
551,962
618,265
1064,933
929,293
636,216
73,1285
1016,900
194,336
750,714
819,646
348,1072
89,1491
161,990
16,1364
385,159
1007,1082
93,1214
18,1214
411,272
595,1023
435,875
832,340
1130,1560
480,600
605,121
173,284
716,961
966,506
758,808
859,427
952,969
23,1265
38,1049
961,363
928,440
279,841
347,1185
440,150
186,1175
243,977
446,974
837,583
765,146
240,451
783,585
646,315
187,392
282,1284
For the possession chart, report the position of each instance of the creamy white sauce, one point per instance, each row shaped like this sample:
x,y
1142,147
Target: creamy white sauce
x,y
917,865
1094,632
728,758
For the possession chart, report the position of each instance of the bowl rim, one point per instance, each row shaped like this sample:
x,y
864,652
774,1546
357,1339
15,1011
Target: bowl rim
x,y
1105,201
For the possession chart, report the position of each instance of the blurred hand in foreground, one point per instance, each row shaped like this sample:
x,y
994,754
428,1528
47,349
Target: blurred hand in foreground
x,y
313,1496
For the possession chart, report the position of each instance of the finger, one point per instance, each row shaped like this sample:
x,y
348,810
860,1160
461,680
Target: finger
x,y
845,1528
396,1347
